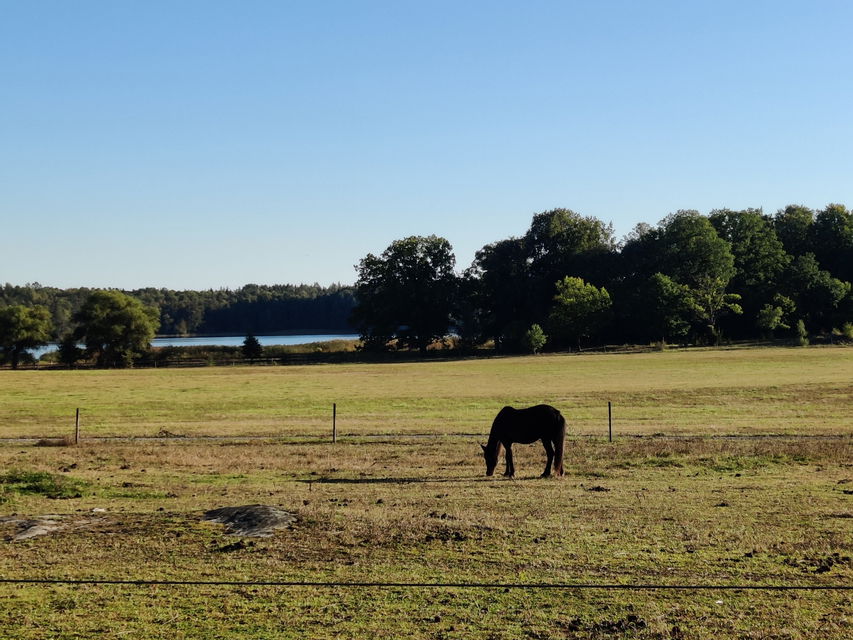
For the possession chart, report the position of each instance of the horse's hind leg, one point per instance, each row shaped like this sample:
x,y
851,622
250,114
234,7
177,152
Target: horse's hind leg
x,y
510,467
549,451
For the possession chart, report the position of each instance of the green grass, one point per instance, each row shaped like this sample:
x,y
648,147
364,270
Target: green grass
x,y
746,511
769,391
40,483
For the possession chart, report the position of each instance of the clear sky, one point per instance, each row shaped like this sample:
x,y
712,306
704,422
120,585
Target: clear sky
x,y
207,144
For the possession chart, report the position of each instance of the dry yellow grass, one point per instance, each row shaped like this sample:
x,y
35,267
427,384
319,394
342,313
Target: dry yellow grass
x,y
750,512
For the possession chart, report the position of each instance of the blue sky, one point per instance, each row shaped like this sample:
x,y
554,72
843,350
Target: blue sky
x,y
207,144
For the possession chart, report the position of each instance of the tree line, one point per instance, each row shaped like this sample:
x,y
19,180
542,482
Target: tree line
x,y
567,283
251,308
115,326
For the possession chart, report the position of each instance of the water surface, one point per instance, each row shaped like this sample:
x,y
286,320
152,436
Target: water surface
x,y
231,341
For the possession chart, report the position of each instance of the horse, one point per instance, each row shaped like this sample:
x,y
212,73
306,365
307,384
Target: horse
x,y
542,422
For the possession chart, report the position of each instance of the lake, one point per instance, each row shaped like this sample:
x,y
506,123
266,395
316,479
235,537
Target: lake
x,y
236,341
231,341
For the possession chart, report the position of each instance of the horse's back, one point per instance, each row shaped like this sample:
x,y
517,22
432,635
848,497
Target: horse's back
x,y
542,413
529,424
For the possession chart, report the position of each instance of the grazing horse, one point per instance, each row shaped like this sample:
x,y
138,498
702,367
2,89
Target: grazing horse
x,y
542,422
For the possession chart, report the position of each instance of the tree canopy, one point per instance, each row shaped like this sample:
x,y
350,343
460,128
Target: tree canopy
x,y
115,327
23,328
689,278
407,293
580,310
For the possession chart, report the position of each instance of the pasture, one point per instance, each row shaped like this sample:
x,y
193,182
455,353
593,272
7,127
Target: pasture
x,y
383,506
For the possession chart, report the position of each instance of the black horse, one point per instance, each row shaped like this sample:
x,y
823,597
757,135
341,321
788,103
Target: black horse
x,y
542,422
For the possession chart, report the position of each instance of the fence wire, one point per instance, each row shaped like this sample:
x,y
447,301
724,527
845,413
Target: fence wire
x,y
433,585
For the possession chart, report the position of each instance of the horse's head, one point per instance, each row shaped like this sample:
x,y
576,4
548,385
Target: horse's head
x,y
491,457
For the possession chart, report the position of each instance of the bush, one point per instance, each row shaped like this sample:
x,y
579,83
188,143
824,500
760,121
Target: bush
x,y
534,339
802,336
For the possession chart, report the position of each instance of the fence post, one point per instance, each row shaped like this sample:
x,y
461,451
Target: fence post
x,y
334,422
609,422
77,427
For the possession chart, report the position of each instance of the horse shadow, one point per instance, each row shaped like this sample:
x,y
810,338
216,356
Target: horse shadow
x,y
393,480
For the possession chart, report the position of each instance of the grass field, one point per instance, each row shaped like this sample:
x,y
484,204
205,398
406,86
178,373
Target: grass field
x,y
768,391
713,511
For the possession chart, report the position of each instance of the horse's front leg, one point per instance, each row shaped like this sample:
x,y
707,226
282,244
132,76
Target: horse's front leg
x,y
510,467
549,451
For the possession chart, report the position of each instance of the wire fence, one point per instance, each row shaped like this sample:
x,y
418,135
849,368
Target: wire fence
x,y
302,438
433,585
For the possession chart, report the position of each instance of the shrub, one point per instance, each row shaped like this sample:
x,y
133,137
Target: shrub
x,y
802,336
534,339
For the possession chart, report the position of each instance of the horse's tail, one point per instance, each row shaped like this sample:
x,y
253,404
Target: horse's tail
x,y
559,443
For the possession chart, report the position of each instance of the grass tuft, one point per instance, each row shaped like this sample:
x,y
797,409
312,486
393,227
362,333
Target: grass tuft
x,y
41,483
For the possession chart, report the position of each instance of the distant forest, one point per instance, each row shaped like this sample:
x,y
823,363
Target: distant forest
x,y
257,309
566,283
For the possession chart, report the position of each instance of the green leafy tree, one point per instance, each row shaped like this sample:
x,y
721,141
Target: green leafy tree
x,y
68,351
793,227
775,315
692,253
580,309
534,339
407,293
666,308
561,242
115,327
252,349
467,313
711,302
759,261
816,294
759,257
23,328
640,256
802,334
832,241
686,248
500,271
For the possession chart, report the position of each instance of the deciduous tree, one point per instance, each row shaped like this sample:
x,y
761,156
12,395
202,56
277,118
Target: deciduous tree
x,y
580,309
23,328
534,339
793,226
815,292
115,327
832,241
407,293
711,302
563,243
503,290
666,308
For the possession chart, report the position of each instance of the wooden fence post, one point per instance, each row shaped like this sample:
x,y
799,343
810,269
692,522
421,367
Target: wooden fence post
x,y
334,422
77,427
609,422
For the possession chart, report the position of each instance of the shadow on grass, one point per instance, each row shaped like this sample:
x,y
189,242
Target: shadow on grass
x,y
417,480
